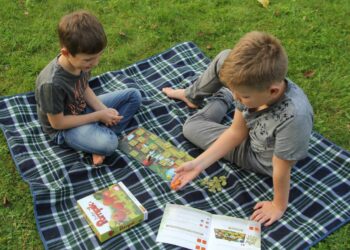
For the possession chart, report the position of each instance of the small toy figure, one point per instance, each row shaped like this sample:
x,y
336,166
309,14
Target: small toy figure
x,y
148,161
170,173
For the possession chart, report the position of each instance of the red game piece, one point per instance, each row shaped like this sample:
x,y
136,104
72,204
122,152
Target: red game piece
x,y
148,161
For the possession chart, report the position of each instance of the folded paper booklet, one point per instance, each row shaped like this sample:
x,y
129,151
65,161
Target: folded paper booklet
x,y
112,210
196,229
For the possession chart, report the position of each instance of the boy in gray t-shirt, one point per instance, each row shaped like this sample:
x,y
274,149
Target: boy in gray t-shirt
x,y
68,109
271,126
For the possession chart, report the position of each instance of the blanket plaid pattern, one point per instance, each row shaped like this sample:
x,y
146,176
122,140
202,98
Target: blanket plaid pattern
x,y
319,198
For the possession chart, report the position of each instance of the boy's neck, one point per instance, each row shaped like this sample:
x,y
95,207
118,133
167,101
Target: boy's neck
x,y
67,66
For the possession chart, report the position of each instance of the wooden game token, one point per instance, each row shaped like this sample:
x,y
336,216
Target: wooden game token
x,y
175,184
148,161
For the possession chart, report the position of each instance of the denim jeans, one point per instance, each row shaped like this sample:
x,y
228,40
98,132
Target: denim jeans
x,y
96,138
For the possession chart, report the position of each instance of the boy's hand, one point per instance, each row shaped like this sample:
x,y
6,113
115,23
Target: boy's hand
x,y
185,173
266,212
110,116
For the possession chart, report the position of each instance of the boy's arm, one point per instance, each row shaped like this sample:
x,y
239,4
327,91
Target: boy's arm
x,y
61,121
92,100
108,116
268,212
281,181
228,140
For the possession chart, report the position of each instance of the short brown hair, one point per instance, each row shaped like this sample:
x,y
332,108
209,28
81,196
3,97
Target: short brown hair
x,y
81,32
257,61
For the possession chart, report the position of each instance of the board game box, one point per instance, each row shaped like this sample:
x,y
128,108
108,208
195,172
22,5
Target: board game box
x,y
154,152
112,210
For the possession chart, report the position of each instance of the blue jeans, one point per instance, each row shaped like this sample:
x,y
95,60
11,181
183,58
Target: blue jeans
x,y
96,138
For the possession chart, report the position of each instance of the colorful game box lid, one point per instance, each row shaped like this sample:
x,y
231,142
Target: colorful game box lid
x,y
112,210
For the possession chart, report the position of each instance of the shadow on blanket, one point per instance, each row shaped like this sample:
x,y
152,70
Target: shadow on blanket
x,y
319,199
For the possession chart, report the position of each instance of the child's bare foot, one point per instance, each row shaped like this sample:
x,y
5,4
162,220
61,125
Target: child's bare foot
x,y
97,159
179,94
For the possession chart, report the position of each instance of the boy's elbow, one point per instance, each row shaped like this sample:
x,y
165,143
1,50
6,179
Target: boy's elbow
x,y
56,121
56,125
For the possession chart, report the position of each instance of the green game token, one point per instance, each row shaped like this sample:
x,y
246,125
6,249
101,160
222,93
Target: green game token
x,y
215,184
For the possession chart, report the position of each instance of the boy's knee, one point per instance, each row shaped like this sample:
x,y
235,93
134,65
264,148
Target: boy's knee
x,y
189,130
136,95
111,147
106,145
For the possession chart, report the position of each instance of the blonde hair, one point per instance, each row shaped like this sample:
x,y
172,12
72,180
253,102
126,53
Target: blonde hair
x,y
257,61
81,32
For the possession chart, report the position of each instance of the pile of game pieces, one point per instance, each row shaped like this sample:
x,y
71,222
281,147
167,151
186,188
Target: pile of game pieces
x,y
215,184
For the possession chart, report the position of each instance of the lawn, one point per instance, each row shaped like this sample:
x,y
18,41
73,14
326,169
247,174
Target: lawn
x,y
315,34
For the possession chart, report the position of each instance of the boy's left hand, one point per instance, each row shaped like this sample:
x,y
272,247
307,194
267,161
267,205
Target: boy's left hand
x,y
266,212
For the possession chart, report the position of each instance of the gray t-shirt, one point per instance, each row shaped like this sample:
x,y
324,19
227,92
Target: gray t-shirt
x,y
59,91
283,130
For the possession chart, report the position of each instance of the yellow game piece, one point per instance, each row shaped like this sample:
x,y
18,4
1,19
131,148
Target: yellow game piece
x,y
142,139
172,151
179,162
139,131
153,137
145,150
133,153
181,154
133,143
166,154
188,157
153,146
163,162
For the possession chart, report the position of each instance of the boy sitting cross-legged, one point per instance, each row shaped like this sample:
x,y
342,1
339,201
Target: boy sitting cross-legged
x,y
68,110
272,122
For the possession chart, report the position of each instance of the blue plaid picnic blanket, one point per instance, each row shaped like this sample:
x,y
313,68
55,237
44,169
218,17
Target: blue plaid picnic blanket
x,y
319,197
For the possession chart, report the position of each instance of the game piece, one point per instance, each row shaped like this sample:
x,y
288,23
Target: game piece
x,y
142,139
170,173
148,161
133,153
145,150
153,146
153,137
175,184
140,132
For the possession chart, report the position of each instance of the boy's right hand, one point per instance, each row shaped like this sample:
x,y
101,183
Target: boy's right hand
x,y
109,116
186,173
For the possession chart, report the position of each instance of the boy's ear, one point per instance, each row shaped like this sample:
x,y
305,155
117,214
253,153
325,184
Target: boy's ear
x,y
64,51
275,89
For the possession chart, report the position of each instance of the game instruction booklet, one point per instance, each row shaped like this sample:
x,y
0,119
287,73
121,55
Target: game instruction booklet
x,y
197,229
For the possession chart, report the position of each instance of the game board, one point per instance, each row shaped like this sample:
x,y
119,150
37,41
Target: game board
x,y
154,152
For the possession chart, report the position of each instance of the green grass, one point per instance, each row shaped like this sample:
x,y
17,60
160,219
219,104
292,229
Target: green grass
x,y
315,34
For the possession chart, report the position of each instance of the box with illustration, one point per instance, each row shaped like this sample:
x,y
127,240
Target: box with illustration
x,y
112,210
